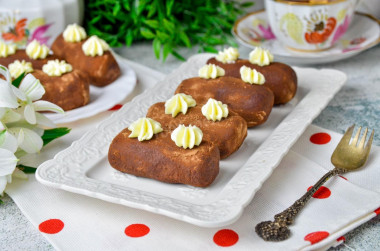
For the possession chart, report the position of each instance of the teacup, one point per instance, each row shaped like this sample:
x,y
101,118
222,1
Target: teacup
x,y
310,25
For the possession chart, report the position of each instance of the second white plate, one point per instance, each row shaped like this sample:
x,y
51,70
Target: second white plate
x,y
253,30
83,167
101,98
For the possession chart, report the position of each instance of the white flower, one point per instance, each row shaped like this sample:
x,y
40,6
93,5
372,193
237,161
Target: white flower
x,y
8,163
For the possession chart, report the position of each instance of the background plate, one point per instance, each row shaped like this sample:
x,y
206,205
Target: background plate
x,y
83,167
253,30
101,98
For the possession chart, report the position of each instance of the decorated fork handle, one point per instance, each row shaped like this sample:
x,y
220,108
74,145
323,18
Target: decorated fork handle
x,y
278,230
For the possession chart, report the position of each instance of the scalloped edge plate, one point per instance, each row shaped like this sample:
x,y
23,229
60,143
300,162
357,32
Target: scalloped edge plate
x,y
101,98
83,168
253,30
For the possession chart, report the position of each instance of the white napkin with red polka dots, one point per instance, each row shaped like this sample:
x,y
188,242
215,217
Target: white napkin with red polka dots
x,y
74,222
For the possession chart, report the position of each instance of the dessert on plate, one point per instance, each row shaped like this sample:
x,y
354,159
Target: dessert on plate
x,y
279,77
64,86
224,128
35,53
145,149
90,55
249,98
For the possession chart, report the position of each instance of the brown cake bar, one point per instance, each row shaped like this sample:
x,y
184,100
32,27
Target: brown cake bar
x,y
102,70
159,158
279,77
69,91
252,102
228,134
21,55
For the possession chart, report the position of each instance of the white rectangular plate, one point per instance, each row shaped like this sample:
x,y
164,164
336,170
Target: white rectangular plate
x,y
83,167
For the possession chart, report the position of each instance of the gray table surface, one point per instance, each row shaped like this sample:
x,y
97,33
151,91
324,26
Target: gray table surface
x,y
358,102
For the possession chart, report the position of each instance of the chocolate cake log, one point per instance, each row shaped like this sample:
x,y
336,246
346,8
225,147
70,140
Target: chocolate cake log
x,y
279,77
159,158
252,102
102,70
21,55
228,134
69,91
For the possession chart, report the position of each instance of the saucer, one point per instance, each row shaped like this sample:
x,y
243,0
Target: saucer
x,y
253,30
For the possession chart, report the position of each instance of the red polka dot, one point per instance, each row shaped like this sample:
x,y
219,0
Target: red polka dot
x,y
136,230
377,211
316,236
321,193
226,237
342,238
116,107
320,138
51,226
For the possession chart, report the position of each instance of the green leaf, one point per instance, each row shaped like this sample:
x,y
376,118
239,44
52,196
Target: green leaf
x,y
18,80
1,202
247,4
152,23
145,32
52,134
162,36
178,56
157,47
168,25
129,37
126,5
169,6
166,50
210,49
185,39
116,9
152,10
27,169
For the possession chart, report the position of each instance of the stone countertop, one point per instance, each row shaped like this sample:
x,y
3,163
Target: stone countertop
x,y
358,102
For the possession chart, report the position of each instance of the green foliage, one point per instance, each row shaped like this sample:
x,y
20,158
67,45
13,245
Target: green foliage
x,y
26,169
52,134
169,23
18,80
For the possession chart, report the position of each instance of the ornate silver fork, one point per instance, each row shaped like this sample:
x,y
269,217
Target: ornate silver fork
x,y
346,157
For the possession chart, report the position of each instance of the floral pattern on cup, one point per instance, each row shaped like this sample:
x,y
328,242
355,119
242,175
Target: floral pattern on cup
x,y
319,27
352,45
259,32
21,31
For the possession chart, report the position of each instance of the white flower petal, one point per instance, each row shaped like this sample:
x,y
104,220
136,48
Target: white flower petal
x,y
8,141
7,98
8,162
11,116
32,87
42,105
30,114
3,184
2,112
32,142
18,93
4,71
42,120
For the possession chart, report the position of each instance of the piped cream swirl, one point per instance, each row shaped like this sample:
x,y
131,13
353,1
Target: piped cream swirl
x,y
211,71
179,103
144,129
18,67
94,46
260,56
229,55
214,110
35,50
56,68
74,33
251,76
7,49
187,136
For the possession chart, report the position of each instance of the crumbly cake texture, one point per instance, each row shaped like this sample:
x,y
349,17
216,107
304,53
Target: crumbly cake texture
x,y
279,77
160,159
69,91
228,134
102,70
252,102
21,55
